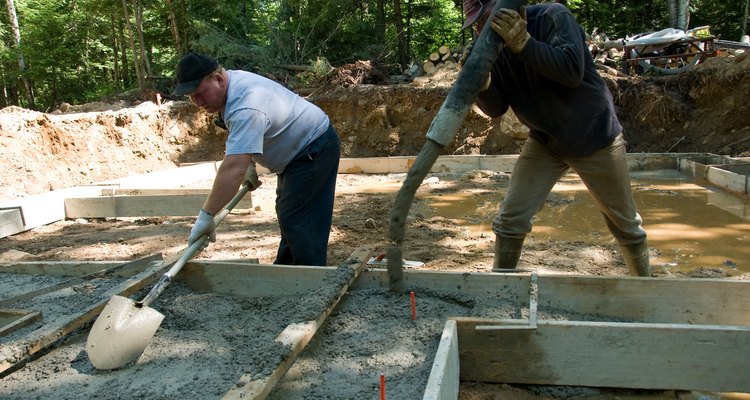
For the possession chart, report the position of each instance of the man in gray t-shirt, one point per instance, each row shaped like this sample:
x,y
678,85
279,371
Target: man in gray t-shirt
x,y
279,130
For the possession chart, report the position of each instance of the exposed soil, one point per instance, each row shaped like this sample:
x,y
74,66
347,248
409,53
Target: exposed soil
x,y
700,110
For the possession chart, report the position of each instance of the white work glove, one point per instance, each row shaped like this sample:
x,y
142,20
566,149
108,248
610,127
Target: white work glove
x,y
204,225
465,56
251,178
511,26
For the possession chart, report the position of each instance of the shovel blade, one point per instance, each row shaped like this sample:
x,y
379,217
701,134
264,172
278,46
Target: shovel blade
x,y
121,333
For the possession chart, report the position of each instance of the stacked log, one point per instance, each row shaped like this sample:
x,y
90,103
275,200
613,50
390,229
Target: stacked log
x,y
443,57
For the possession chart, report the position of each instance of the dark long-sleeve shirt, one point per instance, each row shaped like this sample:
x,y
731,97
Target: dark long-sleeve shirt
x,y
553,87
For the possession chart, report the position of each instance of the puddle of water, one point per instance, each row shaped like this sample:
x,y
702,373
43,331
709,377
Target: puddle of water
x,y
690,226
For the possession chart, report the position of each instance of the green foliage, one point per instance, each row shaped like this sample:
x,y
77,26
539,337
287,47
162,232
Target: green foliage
x,y
724,18
72,48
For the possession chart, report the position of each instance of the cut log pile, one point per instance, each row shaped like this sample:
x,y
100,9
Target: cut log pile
x,y
444,57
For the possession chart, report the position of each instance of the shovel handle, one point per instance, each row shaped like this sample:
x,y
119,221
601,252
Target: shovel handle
x,y
194,248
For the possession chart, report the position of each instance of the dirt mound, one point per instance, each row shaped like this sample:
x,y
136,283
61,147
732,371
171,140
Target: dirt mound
x,y
703,109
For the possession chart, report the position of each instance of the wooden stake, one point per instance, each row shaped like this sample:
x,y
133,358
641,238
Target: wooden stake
x,y
413,307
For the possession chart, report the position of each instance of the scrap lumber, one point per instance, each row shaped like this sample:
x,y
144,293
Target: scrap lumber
x,y
297,335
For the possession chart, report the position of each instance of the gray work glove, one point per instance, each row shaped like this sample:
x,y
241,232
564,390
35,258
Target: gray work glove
x,y
465,56
204,225
511,26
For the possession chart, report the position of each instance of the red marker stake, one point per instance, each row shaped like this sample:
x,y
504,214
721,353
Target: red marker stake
x,y
413,307
382,386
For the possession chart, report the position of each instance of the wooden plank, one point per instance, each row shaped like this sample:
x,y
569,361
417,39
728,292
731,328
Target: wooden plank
x,y
25,349
444,381
11,221
18,319
42,209
129,268
689,301
681,301
607,354
296,336
140,205
61,268
732,181
238,278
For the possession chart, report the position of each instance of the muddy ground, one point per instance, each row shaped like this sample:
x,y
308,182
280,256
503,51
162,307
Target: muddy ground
x,y
702,110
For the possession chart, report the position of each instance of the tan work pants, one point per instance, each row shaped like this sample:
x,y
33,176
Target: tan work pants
x,y
605,174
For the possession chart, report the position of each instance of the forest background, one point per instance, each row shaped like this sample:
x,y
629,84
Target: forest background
x,y
76,51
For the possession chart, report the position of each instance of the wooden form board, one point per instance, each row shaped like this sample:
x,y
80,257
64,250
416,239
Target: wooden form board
x,y
178,203
34,211
608,354
732,174
11,221
499,163
444,380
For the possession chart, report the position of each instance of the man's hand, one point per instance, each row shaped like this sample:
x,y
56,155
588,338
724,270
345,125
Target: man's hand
x,y
251,178
511,26
465,56
204,225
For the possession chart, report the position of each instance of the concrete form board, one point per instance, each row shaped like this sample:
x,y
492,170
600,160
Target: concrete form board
x,y
444,381
608,354
140,205
11,221
730,174
728,180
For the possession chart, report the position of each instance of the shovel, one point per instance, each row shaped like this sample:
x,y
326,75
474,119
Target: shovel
x,y
124,328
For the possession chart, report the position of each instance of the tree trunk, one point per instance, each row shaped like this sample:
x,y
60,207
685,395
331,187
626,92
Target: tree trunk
x,y
380,24
16,31
744,18
115,54
141,41
403,55
683,14
175,29
134,51
679,14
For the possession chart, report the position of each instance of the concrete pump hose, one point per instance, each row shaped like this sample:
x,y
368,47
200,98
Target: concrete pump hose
x,y
441,133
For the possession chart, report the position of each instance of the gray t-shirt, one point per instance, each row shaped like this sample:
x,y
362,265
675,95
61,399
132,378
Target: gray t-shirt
x,y
269,121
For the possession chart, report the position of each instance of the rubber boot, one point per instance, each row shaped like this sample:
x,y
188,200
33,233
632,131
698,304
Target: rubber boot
x,y
507,253
636,259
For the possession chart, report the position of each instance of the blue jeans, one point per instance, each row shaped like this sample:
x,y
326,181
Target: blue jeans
x,y
304,202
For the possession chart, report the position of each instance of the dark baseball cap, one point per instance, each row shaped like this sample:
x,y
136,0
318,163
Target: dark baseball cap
x,y
191,70
473,9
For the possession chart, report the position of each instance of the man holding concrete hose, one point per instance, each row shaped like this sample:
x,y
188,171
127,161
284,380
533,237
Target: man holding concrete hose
x,y
279,130
547,76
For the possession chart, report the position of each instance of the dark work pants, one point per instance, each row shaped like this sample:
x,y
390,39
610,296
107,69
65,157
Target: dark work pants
x,y
304,202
